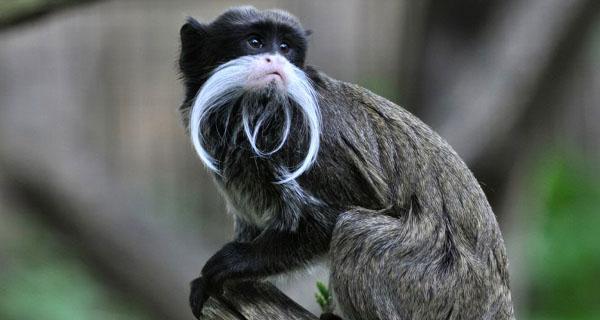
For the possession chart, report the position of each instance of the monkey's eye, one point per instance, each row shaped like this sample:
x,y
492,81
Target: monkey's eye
x,y
284,47
255,42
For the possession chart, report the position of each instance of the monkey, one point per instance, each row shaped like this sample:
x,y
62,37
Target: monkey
x,y
311,167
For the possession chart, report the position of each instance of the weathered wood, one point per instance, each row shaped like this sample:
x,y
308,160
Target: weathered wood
x,y
254,300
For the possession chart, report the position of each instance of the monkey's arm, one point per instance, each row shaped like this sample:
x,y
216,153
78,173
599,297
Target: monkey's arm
x,y
272,252
244,231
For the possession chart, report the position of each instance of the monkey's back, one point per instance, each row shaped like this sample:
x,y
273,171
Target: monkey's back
x,y
417,239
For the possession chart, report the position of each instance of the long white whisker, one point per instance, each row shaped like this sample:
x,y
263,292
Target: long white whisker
x,y
302,92
228,83
255,135
251,133
286,130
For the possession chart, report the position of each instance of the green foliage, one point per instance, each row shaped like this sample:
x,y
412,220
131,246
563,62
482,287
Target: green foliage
x,y
565,250
324,298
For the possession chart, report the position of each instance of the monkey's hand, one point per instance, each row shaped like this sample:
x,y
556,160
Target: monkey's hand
x,y
198,296
272,252
233,261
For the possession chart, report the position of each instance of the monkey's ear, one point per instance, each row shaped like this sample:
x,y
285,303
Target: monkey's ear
x,y
308,32
192,32
193,35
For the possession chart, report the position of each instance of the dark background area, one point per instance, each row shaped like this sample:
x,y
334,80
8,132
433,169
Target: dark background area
x,y
106,213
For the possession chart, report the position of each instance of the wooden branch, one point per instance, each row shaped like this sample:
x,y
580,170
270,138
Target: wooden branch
x,y
254,301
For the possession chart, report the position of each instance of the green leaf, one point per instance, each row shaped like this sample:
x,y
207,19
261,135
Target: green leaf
x,y
323,290
323,297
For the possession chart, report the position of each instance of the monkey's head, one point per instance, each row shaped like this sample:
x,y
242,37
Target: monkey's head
x,y
249,63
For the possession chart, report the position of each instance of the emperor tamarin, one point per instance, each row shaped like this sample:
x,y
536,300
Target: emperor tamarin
x,y
313,167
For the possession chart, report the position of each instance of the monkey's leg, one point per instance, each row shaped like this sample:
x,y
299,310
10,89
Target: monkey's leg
x,y
272,252
380,269
411,266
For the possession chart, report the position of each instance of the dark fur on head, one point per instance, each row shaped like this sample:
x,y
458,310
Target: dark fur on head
x,y
207,46
220,51
407,229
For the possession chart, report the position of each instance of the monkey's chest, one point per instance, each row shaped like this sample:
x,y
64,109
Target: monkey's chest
x,y
254,205
254,197
249,191
248,182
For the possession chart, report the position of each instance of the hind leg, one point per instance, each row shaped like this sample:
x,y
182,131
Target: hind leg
x,y
360,273
382,269
407,267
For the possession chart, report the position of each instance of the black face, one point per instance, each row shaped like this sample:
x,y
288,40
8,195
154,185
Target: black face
x,y
263,40
236,33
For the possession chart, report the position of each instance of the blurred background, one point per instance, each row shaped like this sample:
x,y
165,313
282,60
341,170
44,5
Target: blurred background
x,y
106,213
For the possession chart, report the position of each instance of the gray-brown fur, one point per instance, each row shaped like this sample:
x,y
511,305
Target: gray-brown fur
x,y
407,229
427,246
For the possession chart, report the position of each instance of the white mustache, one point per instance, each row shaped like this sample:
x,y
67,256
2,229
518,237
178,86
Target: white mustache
x,y
228,83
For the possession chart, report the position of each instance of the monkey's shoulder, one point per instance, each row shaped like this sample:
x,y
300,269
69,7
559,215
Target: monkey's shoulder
x,y
385,143
343,93
350,108
353,99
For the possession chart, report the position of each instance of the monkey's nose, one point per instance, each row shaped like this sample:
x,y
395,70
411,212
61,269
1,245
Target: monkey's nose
x,y
268,69
273,58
